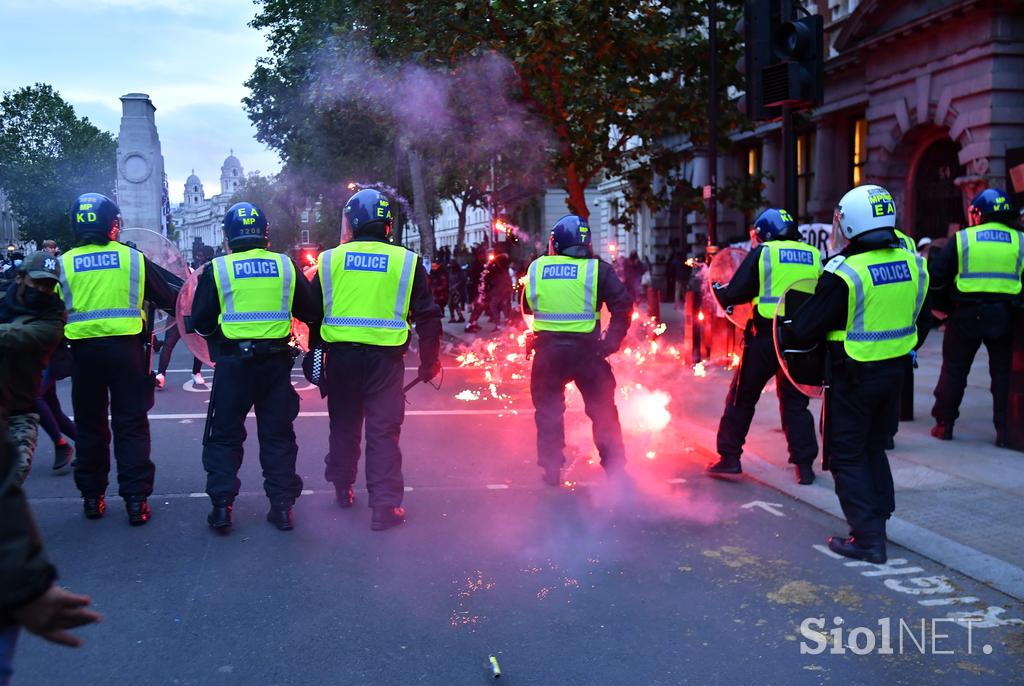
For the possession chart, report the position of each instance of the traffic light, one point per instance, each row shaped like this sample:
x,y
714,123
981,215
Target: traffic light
x,y
783,58
798,79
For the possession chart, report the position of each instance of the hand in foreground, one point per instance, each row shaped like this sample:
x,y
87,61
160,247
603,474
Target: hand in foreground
x,y
429,370
51,614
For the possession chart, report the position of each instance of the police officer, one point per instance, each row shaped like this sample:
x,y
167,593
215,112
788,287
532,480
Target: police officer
x,y
982,270
244,303
779,260
565,290
368,289
866,306
103,284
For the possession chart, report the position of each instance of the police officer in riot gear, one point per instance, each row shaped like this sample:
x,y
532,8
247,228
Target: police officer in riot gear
x,y
866,310
369,289
244,304
778,261
564,292
981,269
103,284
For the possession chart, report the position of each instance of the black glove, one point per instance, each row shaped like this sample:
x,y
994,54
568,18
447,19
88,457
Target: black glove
x,y
428,370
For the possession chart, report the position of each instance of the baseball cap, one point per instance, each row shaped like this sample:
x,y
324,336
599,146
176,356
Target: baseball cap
x,y
41,265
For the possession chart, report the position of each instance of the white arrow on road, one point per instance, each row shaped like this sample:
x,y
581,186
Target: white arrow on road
x,y
767,507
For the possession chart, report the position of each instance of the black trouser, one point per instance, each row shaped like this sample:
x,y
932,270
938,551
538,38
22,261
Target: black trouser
x,y
554,365
364,382
968,327
758,365
862,410
239,385
171,339
112,372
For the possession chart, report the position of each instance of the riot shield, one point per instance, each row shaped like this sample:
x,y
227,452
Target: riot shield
x,y
723,265
195,342
804,367
163,253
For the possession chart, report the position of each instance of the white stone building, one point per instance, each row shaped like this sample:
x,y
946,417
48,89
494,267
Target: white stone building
x,y
199,218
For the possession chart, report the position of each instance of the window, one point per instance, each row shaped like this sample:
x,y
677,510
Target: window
x,y
753,162
858,150
804,172
305,216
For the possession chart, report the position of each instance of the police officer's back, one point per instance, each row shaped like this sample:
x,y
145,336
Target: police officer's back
x,y
866,306
776,263
565,291
244,303
103,284
981,271
369,289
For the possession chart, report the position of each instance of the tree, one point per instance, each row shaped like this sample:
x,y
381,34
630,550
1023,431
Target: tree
x,y
613,81
48,156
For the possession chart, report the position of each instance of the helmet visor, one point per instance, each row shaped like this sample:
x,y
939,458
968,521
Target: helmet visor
x,y
839,241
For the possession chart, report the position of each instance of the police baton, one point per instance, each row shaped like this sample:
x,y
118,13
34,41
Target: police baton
x,y
412,383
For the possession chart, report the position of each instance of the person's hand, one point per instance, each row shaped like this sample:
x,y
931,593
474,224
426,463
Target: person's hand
x,y
606,348
428,370
51,614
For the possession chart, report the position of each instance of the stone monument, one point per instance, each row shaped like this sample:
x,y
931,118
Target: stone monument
x,y
140,165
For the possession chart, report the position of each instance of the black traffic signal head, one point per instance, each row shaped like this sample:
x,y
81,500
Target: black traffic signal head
x,y
798,78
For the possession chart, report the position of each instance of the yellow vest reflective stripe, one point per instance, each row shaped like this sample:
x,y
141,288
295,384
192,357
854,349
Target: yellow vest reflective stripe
x,y
563,293
908,242
102,287
781,264
886,293
255,289
367,286
990,259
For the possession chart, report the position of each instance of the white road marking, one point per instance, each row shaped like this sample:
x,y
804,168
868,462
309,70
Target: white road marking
x,y
196,495
413,413
497,487
767,507
677,480
307,491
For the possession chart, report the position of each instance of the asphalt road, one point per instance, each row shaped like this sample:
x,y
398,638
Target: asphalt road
x,y
683,580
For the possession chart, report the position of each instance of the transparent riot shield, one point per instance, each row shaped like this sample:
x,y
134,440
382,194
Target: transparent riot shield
x,y
723,265
195,342
804,366
161,252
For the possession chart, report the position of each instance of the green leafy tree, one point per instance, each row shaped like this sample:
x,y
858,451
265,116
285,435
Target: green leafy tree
x,y
48,156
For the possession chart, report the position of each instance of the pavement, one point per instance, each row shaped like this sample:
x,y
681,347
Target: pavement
x,y
679,579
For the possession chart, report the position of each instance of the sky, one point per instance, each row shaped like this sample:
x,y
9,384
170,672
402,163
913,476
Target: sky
x,y
191,56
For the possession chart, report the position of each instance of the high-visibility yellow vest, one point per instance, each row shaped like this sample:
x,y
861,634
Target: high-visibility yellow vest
x,y
781,264
907,241
255,289
990,259
563,294
367,287
886,293
102,287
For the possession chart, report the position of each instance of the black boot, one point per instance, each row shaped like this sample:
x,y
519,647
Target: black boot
x,y
281,516
220,516
94,507
344,496
138,511
552,476
804,474
725,467
1000,437
848,547
387,517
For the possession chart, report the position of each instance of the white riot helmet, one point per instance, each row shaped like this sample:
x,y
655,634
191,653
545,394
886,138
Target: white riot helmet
x,y
863,209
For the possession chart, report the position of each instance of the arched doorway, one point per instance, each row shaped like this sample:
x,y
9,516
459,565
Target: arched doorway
x,y
938,207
